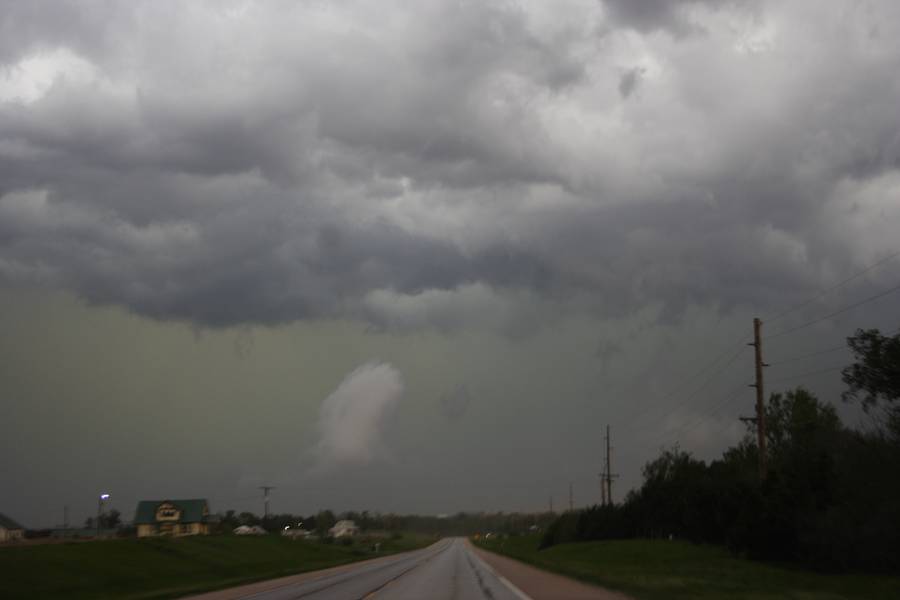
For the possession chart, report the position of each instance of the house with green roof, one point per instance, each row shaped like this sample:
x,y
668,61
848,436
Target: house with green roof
x,y
172,517
10,530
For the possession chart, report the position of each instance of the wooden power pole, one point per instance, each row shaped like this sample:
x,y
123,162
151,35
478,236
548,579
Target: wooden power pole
x,y
760,402
608,475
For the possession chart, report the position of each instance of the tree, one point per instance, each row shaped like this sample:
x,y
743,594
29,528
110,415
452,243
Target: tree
x,y
804,439
111,519
325,520
675,496
874,379
248,518
310,523
229,520
797,424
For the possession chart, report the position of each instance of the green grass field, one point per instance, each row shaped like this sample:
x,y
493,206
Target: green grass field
x,y
168,568
657,570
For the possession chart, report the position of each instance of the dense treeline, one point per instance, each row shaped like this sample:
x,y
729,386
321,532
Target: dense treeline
x,y
831,499
458,524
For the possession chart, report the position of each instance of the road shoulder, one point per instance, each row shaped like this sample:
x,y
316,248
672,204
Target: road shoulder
x,y
544,585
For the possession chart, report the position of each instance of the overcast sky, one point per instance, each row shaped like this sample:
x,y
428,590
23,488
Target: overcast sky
x,y
414,256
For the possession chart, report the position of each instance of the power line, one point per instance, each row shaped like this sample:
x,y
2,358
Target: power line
x,y
675,391
832,288
759,364
808,355
735,393
808,373
835,313
785,332
709,380
683,403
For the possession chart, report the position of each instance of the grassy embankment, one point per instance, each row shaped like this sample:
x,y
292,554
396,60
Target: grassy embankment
x,y
169,568
656,570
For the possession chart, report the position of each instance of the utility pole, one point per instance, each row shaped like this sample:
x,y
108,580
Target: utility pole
x,y
571,499
603,489
265,489
608,474
103,497
760,418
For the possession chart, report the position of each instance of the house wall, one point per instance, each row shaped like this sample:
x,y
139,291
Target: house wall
x,y
178,529
8,535
198,529
146,530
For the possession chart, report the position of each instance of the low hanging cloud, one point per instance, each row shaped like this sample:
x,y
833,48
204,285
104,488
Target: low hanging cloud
x,y
353,417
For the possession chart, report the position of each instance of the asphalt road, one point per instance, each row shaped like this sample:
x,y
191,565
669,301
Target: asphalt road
x,y
447,570
451,569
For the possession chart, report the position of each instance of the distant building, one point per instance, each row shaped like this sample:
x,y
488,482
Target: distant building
x,y
295,533
172,517
10,530
249,530
82,532
345,528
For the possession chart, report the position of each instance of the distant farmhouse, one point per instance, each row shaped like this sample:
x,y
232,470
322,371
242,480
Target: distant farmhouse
x,y
172,517
344,528
10,530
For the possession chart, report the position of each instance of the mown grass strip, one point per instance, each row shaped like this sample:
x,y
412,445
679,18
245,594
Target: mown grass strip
x,y
673,570
168,568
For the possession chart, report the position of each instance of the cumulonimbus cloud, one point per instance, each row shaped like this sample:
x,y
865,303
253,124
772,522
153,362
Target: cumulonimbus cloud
x,y
267,164
353,417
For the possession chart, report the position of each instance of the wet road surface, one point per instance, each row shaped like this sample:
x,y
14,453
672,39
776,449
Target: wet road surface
x,y
447,570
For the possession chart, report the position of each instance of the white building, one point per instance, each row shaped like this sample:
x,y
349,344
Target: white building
x,y
249,530
296,533
345,528
10,530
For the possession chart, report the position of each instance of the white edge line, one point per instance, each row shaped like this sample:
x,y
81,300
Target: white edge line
x,y
522,595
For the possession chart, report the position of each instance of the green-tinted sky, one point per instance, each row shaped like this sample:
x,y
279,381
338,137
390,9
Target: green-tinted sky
x,y
415,256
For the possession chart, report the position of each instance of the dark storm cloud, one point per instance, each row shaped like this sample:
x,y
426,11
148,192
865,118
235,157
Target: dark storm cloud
x,y
648,16
629,81
85,26
423,165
